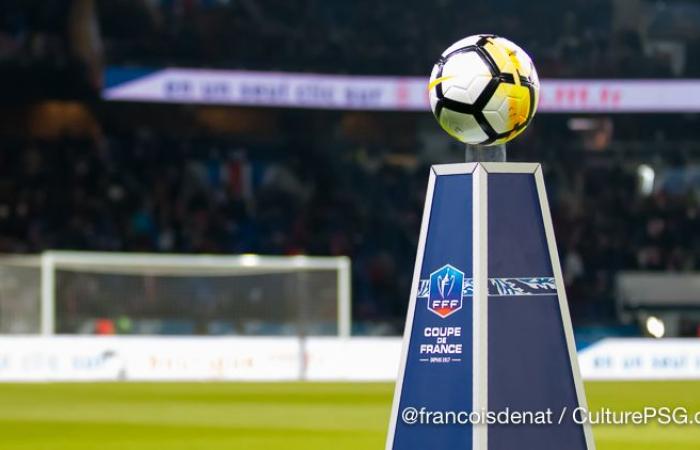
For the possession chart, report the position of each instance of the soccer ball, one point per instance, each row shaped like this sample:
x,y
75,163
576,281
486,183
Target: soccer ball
x,y
484,90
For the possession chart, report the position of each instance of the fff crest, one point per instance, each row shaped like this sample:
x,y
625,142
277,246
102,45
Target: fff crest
x,y
445,295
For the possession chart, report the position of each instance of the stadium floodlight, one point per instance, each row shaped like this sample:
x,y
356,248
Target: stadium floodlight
x,y
72,292
655,327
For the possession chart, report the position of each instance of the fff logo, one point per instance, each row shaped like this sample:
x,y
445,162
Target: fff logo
x,y
446,290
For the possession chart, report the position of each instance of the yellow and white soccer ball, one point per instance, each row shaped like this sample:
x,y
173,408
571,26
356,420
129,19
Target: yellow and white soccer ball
x,y
484,90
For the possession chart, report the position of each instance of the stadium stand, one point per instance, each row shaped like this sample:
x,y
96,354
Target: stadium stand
x,y
156,190
151,192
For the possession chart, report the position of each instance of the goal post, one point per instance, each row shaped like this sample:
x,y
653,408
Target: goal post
x,y
189,294
20,294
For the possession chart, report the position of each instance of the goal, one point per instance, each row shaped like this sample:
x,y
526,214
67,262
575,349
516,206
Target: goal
x,y
137,293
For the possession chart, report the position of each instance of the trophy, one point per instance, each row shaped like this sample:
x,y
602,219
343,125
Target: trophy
x,y
489,359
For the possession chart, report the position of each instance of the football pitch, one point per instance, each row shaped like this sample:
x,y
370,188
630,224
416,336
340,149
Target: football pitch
x,y
256,416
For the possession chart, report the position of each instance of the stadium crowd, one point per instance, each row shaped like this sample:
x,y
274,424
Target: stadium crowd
x,y
582,38
148,192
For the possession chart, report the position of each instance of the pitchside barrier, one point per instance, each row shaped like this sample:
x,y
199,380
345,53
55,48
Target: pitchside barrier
x,y
200,358
488,326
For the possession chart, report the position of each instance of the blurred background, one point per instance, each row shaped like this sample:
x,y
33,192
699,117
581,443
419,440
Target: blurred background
x,y
182,174
243,127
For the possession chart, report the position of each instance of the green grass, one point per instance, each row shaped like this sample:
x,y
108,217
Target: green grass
x,y
312,416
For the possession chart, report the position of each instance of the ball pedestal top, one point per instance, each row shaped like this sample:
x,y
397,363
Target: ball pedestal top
x,y
482,153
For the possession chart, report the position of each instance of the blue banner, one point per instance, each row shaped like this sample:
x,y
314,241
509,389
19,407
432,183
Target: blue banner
x,y
529,366
438,370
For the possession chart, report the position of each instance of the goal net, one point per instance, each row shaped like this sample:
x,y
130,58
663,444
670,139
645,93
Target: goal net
x,y
124,293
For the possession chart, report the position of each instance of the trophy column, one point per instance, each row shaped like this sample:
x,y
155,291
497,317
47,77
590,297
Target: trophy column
x,y
488,326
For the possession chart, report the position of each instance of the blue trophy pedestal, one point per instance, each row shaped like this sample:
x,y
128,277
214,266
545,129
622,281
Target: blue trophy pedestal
x,y
488,326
